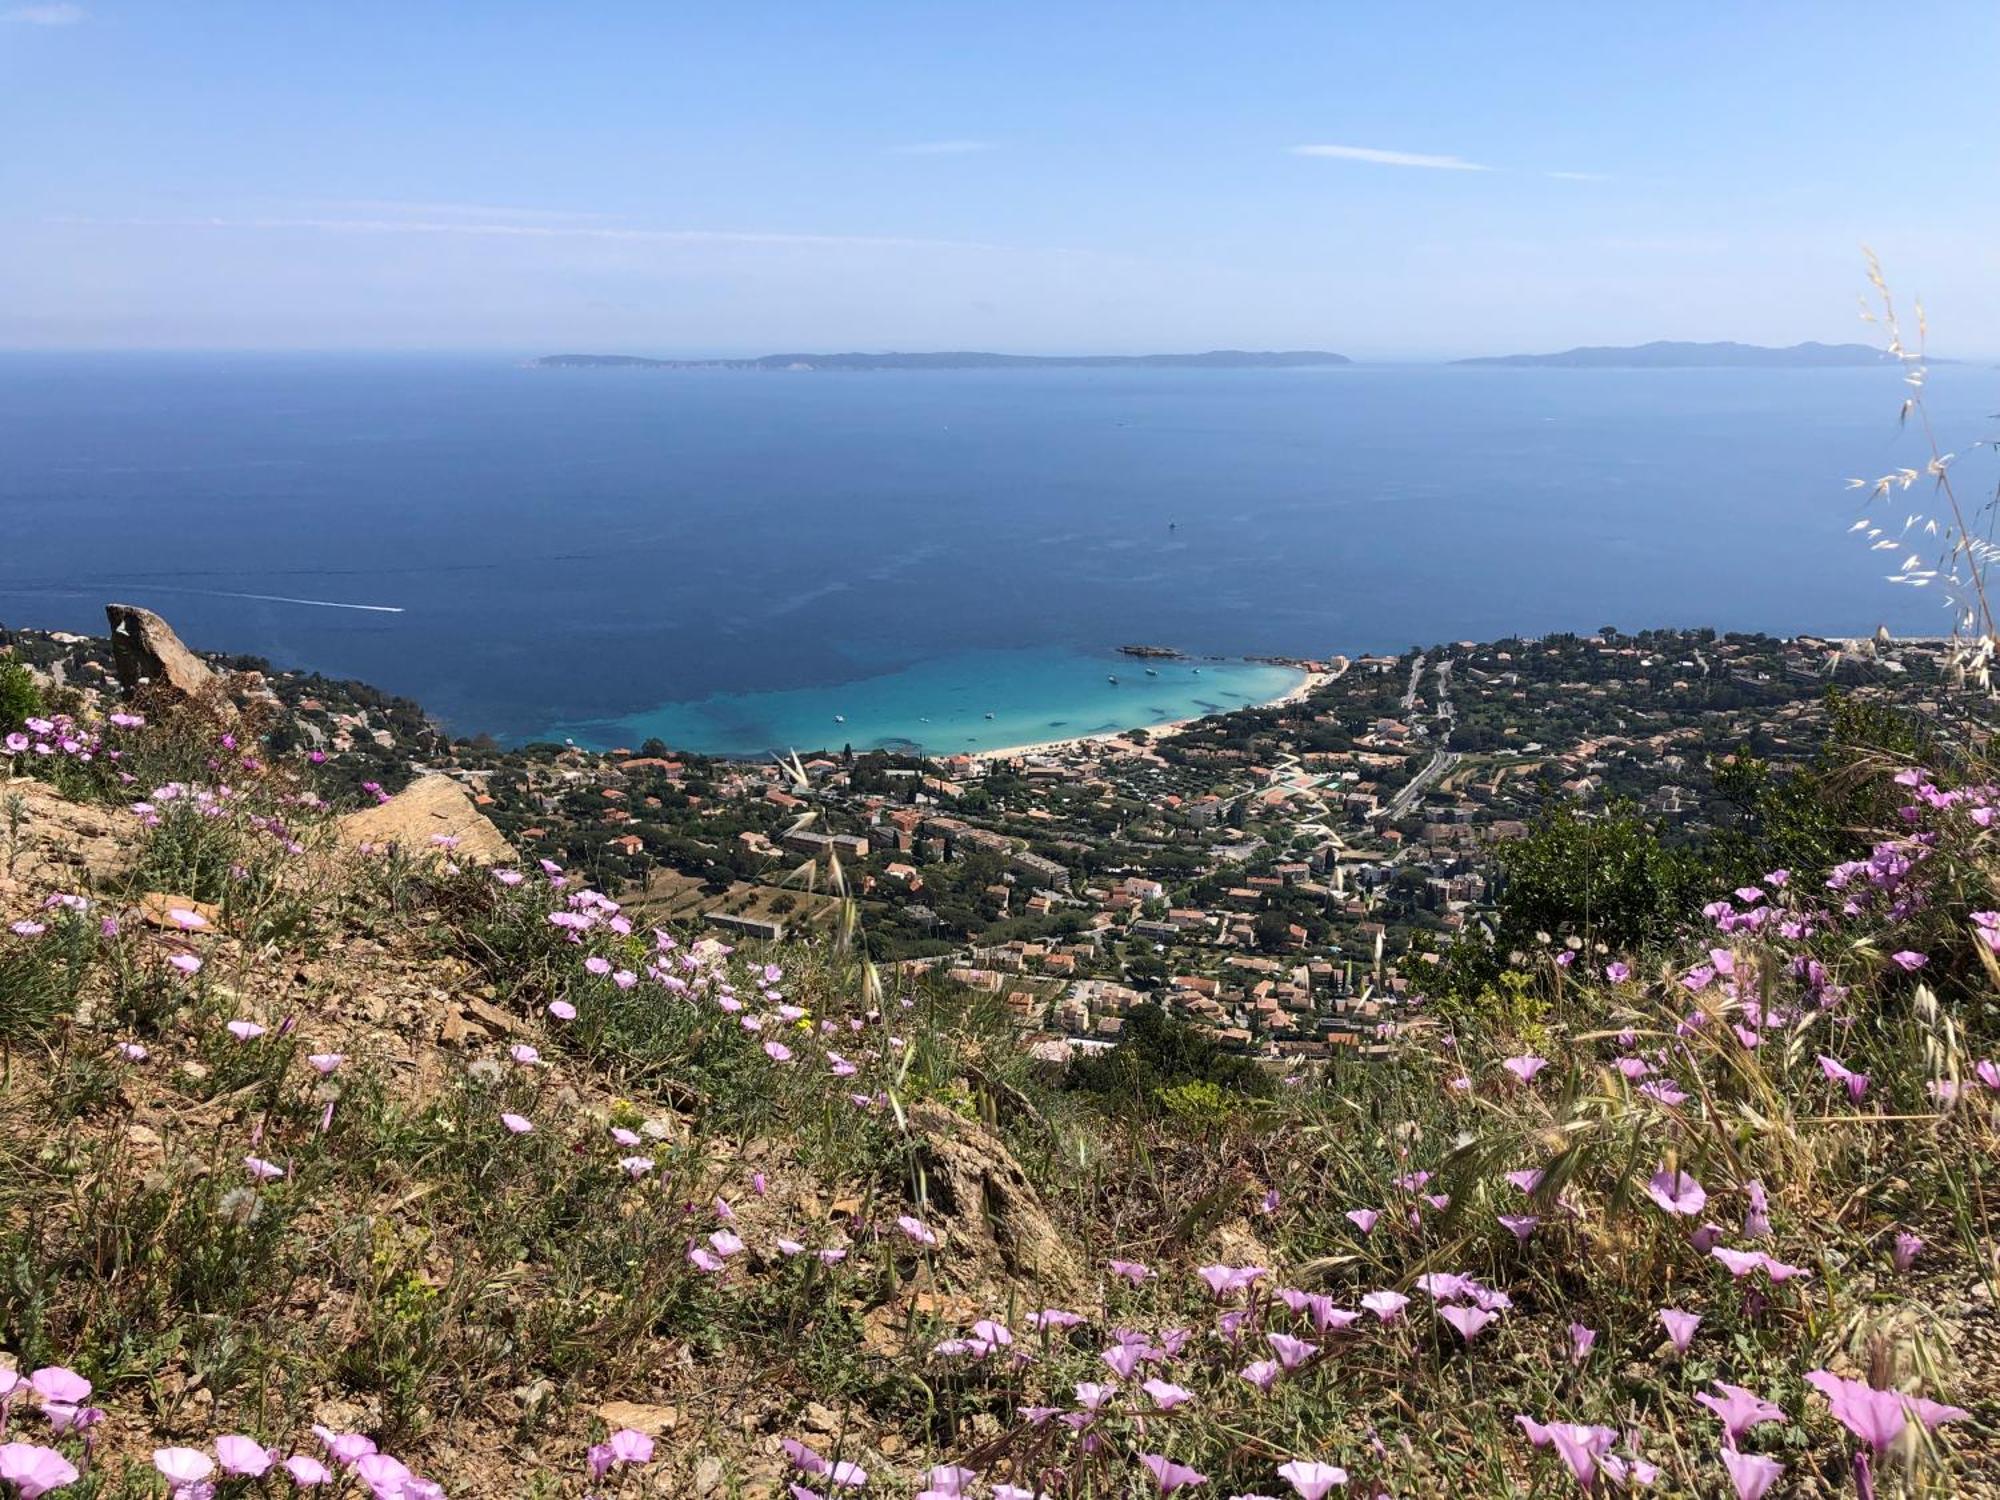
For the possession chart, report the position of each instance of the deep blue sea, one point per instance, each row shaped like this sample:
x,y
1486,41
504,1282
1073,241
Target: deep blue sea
x,y
730,559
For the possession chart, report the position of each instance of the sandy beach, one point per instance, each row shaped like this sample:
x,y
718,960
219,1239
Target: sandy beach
x,y
1308,683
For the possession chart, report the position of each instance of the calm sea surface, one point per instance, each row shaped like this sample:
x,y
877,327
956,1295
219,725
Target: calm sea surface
x,y
730,560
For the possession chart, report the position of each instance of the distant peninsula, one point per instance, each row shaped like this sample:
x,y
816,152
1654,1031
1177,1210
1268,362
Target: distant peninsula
x,y
1215,359
1664,354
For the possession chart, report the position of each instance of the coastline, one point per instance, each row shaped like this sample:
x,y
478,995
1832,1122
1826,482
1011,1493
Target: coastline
x,y
1309,682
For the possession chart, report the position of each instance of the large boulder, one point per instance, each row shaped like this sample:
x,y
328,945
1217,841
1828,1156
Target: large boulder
x,y
148,656
427,811
978,1193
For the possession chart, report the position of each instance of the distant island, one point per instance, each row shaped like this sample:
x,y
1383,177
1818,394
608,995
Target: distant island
x,y
1215,359
1665,354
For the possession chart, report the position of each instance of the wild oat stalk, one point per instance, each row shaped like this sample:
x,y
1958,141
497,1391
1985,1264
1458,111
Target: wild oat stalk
x,y
1965,558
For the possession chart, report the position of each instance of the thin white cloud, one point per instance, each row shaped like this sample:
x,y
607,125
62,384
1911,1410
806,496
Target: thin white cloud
x,y
942,148
399,206
47,15
1393,158
500,230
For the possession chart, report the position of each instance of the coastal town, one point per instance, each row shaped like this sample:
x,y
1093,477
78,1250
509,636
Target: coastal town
x,y
1278,876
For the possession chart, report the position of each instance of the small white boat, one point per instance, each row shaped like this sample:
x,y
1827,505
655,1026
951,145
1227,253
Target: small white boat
x,y
840,718
989,716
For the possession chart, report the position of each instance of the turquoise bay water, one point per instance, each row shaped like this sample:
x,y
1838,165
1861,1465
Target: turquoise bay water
x,y
520,550
974,700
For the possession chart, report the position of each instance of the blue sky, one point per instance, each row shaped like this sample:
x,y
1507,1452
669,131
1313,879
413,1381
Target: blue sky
x,y
745,177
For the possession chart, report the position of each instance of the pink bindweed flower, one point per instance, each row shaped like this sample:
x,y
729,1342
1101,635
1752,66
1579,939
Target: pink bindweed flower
x,y
523,1054
517,1124
1908,961
1677,1192
1262,1373
1519,1225
33,1470
261,1170
60,1384
1123,1359
182,1468
133,1052
306,1471
245,1031
1856,1084
1581,1340
1739,1409
241,1456
187,963
1167,1395
916,1229
1905,1251
1387,1306
1525,1067
1312,1480
1680,1327
1291,1352
1363,1219
635,1167
1752,1474
1168,1475
325,1063
1469,1321
562,1010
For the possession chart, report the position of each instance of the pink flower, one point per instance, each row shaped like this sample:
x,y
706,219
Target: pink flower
x,y
1740,1409
1580,1341
1680,1327
60,1384
1363,1219
1519,1225
517,1124
1387,1306
245,1031
1312,1480
34,1470
133,1052
1167,1395
1905,1251
1467,1320
187,963
1676,1192
182,1468
1169,1475
1291,1352
562,1010
307,1471
1525,1067
241,1455
916,1229
1751,1473
261,1170
326,1062
1131,1270
1856,1084
778,1052
1908,961
1261,1373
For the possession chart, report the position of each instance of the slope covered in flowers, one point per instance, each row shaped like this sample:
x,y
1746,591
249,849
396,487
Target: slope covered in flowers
x,y
366,1172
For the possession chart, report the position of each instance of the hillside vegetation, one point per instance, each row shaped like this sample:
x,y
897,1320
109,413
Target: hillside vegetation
x,y
401,1167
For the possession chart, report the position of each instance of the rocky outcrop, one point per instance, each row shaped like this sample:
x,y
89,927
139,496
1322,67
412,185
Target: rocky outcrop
x,y
48,842
148,656
979,1195
433,815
